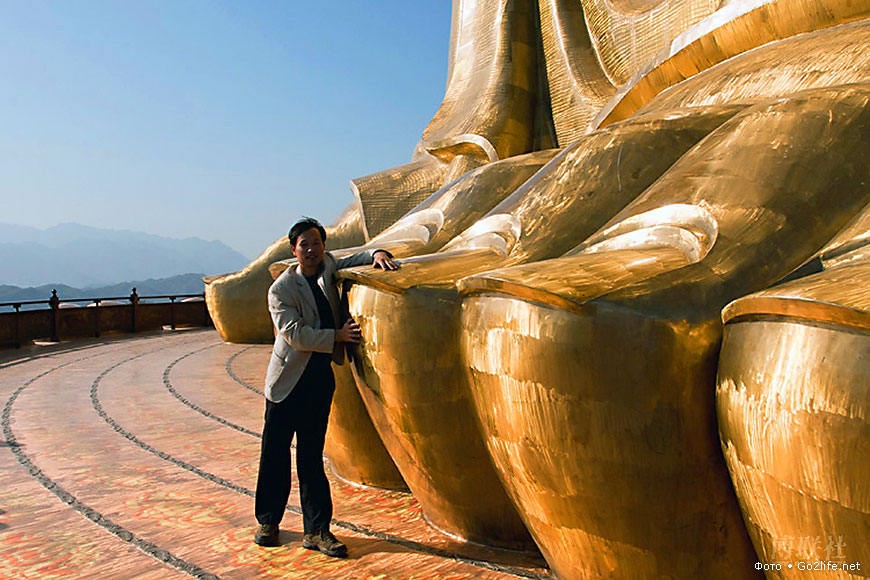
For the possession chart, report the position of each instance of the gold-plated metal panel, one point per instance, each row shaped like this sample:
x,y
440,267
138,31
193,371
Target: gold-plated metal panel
x,y
569,282
347,230
836,296
431,270
605,438
424,415
489,108
793,401
851,245
596,176
353,447
597,404
606,58
495,107
628,33
745,176
450,210
460,203
385,196
732,30
237,301
562,204
409,370
858,251
828,57
578,86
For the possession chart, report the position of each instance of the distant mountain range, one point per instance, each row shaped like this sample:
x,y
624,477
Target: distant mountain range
x,y
87,258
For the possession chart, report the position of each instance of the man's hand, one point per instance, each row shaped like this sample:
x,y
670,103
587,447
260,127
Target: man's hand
x,y
383,261
349,332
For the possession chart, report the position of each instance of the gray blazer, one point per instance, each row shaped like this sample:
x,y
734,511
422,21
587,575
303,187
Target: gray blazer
x,y
297,323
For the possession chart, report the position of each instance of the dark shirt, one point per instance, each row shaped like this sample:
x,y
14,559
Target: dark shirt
x,y
324,311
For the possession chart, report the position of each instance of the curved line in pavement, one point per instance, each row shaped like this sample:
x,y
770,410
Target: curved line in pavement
x,y
205,413
235,377
363,530
66,497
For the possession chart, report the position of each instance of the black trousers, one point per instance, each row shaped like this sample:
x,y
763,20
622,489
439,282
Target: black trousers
x,y
305,413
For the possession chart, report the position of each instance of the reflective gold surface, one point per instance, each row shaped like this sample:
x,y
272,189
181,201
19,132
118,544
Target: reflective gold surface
x,y
836,296
237,301
833,56
386,195
851,245
565,202
456,206
410,372
628,33
736,28
494,107
450,210
353,447
594,47
605,440
593,374
577,84
432,436
490,106
793,402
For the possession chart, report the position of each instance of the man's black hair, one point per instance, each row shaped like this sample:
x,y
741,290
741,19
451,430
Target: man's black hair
x,y
302,226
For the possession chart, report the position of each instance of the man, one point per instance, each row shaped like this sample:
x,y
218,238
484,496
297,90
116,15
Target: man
x,y
304,305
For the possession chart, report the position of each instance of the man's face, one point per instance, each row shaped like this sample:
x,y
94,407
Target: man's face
x,y
309,250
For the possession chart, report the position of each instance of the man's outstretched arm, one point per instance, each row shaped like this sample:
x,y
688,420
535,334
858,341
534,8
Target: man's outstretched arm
x,y
378,258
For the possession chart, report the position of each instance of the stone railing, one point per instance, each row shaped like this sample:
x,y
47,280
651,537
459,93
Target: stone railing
x,y
79,317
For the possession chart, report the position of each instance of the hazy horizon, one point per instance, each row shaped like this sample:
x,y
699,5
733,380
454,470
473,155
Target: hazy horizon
x,y
210,120
85,256
120,230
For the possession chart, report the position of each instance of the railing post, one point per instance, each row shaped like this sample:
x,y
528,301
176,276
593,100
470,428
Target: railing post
x,y
17,325
54,302
172,312
97,317
134,300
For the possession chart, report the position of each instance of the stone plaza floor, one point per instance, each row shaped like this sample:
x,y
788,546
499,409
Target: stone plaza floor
x,y
136,457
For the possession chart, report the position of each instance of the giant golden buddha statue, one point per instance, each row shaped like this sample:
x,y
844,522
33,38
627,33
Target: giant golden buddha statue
x,y
602,179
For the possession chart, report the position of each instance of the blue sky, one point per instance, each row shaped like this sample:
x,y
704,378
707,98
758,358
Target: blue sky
x,y
216,119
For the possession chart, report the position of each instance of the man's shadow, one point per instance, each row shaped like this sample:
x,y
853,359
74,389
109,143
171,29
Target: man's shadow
x,y
359,547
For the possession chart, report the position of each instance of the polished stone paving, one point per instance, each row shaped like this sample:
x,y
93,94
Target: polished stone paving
x,y
135,457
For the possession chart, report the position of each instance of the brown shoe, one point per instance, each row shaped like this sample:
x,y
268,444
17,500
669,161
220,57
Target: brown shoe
x,y
267,535
326,543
